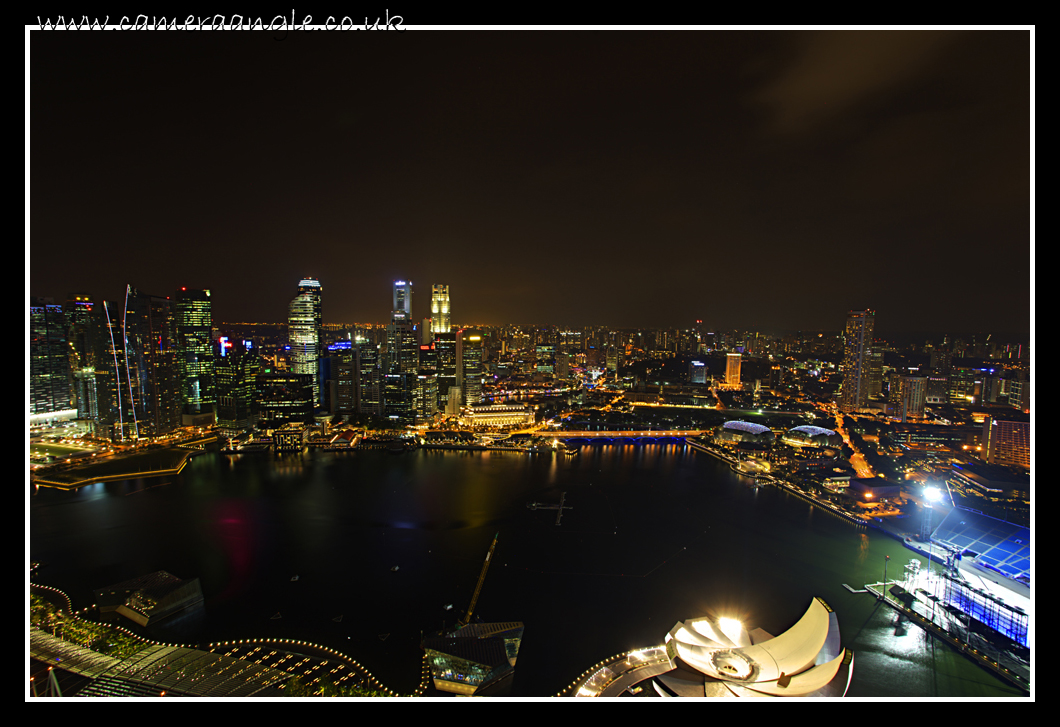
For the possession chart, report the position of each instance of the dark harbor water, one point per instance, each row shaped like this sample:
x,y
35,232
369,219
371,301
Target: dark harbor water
x,y
658,533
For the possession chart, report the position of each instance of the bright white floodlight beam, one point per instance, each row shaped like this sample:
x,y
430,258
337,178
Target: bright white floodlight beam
x,y
932,494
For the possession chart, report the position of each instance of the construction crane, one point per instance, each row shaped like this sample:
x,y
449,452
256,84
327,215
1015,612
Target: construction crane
x,y
478,588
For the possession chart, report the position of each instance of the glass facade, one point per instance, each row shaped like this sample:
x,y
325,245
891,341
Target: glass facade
x,y
194,321
304,326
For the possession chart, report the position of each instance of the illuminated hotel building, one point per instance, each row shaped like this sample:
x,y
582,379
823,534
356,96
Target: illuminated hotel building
x,y
194,325
497,415
856,348
440,320
732,369
304,323
1007,442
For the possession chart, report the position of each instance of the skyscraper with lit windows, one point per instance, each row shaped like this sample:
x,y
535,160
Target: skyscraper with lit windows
x,y
440,320
195,361
304,328
732,369
49,358
857,345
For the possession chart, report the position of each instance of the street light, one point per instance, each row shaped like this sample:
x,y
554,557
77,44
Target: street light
x,y
932,495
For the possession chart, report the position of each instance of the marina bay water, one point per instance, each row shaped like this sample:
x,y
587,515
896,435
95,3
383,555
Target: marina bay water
x,y
657,533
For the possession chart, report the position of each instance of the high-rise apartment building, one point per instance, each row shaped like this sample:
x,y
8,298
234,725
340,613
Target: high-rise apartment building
x,y
304,332
857,345
195,361
440,313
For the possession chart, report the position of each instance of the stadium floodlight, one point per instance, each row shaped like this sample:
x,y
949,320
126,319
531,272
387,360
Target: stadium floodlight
x,y
932,494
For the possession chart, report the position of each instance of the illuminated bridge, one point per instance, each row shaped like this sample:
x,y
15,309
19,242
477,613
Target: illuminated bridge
x,y
642,434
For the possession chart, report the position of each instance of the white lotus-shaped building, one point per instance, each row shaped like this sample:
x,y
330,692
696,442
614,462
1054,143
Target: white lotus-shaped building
x,y
718,657
802,661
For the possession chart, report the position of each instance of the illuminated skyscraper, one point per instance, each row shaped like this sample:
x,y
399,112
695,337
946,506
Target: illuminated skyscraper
x,y
151,381
402,311
236,368
857,343
1007,441
732,369
195,362
469,358
304,330
440,321
49,358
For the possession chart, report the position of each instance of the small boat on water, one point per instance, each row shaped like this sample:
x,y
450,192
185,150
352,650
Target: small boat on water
x,y
294,578
394,568
382,637
337,619
276,616
448,607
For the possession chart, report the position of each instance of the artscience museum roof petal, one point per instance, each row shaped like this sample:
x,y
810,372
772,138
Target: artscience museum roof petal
x,y
803,659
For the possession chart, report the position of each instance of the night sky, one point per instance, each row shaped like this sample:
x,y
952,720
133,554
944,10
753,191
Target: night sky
x,y
764,180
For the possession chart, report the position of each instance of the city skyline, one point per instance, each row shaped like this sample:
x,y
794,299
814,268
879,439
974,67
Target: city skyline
x,y
636,179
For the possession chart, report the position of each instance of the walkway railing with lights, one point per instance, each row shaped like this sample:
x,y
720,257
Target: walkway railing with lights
x,y
358,671
607,678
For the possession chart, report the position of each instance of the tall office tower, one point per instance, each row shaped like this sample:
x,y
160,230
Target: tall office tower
x,y
426,334
469,354
440,319
151,376
346,384
49,358
697,372
545,358
614,359
562,365
570,341
913,389
776,376
195,361
938,390
1007,441
93,374
285,396
445,352
856,349
1019,393
304,332
369,379
875,372
732,369
402,310
398,394
403,347
426,395
109,372
83,319
236,369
